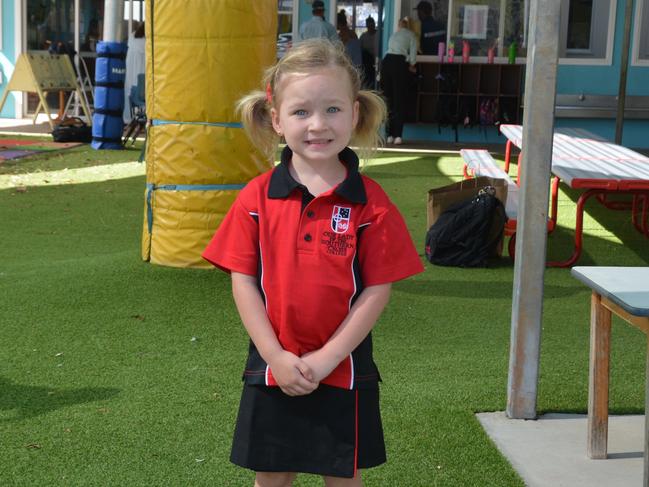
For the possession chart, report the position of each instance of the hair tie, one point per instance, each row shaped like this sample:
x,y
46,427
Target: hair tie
x,y
269,94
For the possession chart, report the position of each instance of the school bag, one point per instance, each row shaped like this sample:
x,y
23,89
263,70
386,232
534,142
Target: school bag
x,y
72,129
468,233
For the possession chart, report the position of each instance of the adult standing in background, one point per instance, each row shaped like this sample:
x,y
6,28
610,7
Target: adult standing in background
x,y
432,31
396,68
369,49
350,40
317,26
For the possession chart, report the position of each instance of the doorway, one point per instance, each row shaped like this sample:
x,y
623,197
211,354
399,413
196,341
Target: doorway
x,y
68,27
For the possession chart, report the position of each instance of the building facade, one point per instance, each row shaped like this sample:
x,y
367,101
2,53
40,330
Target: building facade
x,y
588,77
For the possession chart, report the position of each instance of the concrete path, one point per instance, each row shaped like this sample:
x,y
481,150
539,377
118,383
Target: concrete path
x,y
26,126
551,451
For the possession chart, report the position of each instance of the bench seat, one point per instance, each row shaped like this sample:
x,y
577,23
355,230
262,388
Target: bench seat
x,y
480,163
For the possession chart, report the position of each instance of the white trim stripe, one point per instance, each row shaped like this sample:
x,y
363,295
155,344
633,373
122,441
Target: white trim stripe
x,y
349,306
349,303
263,291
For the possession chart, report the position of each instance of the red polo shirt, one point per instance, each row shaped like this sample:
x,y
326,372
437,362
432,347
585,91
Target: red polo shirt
x,y
312,258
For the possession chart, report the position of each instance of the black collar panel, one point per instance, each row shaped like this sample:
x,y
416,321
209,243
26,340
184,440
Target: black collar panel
x,y
282,184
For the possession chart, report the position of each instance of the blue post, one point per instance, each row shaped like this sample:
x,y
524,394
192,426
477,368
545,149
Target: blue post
x,y
110,69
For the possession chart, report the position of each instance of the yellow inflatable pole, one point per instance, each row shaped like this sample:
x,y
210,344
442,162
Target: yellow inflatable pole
x,y
202,56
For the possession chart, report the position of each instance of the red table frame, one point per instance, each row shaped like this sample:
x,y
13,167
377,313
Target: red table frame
x,y
601,188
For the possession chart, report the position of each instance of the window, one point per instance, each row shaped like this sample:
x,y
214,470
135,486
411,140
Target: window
x,y
585,33
580,14
136,7
357,13
477,21
641,33
586,30
484,24
489,24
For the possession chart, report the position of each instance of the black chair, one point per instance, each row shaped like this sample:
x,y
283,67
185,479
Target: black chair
x,y
137,125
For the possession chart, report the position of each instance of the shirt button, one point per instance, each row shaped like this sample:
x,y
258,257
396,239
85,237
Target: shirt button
x,y
310,213
307,237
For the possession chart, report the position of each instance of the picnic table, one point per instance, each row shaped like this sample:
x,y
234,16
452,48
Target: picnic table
x,y
623,291
595,166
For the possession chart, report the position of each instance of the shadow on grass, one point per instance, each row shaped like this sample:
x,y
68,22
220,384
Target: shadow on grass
x,y
483,289
29,401
72,158
617,222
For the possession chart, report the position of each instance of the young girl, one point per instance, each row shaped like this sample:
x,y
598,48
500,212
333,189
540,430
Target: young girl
x,y
313,247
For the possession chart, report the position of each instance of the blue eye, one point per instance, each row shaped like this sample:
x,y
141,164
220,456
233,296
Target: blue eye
x,y
299,113
333,110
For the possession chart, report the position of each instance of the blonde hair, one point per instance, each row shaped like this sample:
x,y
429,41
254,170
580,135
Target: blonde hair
x,y
304,58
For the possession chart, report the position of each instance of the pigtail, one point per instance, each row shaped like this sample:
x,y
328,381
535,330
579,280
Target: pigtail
x,y
372,112
254,110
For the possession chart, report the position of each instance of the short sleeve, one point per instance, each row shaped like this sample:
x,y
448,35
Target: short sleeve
x,y
235,245
386,251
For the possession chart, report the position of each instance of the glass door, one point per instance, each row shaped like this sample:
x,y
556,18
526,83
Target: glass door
x,y
51,27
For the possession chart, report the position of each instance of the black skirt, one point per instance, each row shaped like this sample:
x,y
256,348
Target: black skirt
x,y
329,432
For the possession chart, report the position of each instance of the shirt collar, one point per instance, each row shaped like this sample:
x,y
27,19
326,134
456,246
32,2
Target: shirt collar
x,y
352,188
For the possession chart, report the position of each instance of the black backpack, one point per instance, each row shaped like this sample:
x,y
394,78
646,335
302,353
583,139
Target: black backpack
x,y
467,233
72,129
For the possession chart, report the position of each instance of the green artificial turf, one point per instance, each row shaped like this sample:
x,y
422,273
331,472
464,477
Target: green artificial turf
x,y
115,372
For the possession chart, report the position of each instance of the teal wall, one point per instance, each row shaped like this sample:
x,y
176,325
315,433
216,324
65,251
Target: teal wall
x,y
7,54
388,25
304,12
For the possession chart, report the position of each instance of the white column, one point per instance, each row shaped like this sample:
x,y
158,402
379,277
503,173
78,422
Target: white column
x,y
113,17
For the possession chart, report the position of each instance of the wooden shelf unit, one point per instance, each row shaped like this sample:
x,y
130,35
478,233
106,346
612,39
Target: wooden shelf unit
x,y
463,86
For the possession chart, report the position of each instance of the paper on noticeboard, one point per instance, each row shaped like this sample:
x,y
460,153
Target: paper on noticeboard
x,y
475,21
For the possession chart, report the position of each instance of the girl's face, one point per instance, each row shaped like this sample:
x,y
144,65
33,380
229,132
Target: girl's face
x,y
316,114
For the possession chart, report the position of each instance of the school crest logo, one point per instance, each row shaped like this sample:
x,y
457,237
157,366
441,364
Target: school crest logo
x,y
340,219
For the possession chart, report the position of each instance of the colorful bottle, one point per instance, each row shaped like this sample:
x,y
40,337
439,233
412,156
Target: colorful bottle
x,y
512,52
451,51
441,50
466,49
491,54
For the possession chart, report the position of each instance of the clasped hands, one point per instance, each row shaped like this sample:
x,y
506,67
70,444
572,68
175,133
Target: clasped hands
x,y
299,376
